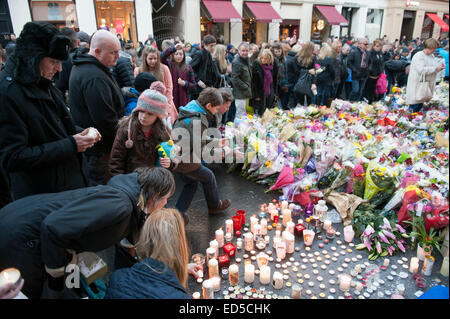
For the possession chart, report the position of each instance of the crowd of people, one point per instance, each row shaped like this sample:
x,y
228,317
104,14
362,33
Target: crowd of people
x,y
84,120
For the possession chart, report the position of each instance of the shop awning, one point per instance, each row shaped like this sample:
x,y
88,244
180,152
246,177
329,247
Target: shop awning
x,y
332,15
438,21
222,11
264,12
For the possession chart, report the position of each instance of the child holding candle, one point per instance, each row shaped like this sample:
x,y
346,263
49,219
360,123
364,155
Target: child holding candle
x,y
162,272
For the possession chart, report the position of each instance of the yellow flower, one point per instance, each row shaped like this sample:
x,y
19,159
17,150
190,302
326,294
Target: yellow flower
x,y
269,164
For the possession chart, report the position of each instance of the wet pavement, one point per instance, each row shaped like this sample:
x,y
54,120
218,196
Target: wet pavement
x,y
318,276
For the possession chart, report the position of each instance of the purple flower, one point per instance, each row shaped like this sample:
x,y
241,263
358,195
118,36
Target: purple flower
x,y
368,231
389,234
382,237
400,246
386,224
378,247
390,250
367,243
400,228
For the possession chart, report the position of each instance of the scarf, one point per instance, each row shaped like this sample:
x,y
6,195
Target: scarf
x,y
267,78
363,60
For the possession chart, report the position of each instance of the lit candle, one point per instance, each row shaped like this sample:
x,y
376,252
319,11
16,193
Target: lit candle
x,y
263,226
385,262
327,224
273,214
196,295
290,243
234,274
276,241
291,207
345,282
284,205
444,267
215,283
281,250
239,243
213,267
290,225
349,233
283,235
249,273
215,244
229,226
264,275
358,268
219,237
414,265
210,253
296,291
253,222
248,241
277,280
267,239
257,230
286,216
10,275
308,237
208,289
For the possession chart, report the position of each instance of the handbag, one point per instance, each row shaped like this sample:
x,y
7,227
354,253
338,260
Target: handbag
x,y
304,83
423,91
381,86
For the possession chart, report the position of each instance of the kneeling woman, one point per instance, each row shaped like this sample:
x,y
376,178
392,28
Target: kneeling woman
x,y
162,272
40,234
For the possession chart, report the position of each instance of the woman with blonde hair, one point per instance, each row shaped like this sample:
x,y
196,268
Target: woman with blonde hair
x,y
326,77
223,69
151,62
264,79
163,252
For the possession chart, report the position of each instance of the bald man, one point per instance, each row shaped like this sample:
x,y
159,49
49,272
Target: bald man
x,y
95,99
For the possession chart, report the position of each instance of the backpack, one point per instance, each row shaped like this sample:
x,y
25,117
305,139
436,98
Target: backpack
x,y
381,86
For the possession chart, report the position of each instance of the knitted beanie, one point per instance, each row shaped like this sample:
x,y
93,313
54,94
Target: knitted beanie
x,y
153,102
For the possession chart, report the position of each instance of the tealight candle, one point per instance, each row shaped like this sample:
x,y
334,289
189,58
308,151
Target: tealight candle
x,y
234,274
277,280
386,262
249,273
196,295
326,224
296,291
264,275
10,275
345,282
219,237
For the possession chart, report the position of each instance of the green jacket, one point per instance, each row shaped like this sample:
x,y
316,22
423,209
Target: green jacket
x,y
241,78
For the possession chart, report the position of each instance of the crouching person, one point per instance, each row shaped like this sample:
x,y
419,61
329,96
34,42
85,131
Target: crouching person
x,y
41,234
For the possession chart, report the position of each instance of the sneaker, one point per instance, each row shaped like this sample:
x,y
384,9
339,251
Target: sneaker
x,y
224,204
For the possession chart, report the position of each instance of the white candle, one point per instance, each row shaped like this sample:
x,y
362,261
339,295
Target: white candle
x,y
264,275
9,275
296,291
290,243
273,213
210,253
239,243
267,239
229,226
414,265
253,222
249,273
281,250
291,207
345,282
444,267
263,226
196,295
327,224
216,283
278,233
257,230
213,268
219,237
284,205
215,244
283,235
359,286
290,226
208,289
234,274
286,216
348,233
277,280
276,241
386,262
248,241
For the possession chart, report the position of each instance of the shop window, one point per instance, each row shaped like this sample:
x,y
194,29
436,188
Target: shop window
x,y
58,13
118,17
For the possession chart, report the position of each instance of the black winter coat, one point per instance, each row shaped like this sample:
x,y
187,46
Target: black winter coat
x,y
293,69
37,150
95,99
202,64
258,83
354,63
326,77
36,230
62,82
123,72
375,64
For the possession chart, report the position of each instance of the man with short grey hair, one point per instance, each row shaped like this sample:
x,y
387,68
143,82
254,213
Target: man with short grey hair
x,y
96,99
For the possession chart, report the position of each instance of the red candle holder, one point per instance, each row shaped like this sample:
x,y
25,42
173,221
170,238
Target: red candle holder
x,y
275,219
224,261
298,229
238,233
237,225
229,249
241,214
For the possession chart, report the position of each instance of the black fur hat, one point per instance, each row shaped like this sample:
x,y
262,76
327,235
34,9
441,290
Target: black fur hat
x,y
36,41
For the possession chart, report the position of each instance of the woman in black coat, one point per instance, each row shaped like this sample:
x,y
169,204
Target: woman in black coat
x,y
264,81
326,77
375,66
40,147
39,234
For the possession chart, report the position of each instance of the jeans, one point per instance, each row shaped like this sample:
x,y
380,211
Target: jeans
x,y
415,107
205,176
357,89
323,94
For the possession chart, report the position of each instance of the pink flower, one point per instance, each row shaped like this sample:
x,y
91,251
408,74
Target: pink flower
x,y
383,238
400,246
378,247
317,66
368,231
400,228
386,224
367,243
390,250
389,234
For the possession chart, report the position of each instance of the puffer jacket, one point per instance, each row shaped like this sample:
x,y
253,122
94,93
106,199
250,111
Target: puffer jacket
x,y
123,72
149,279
